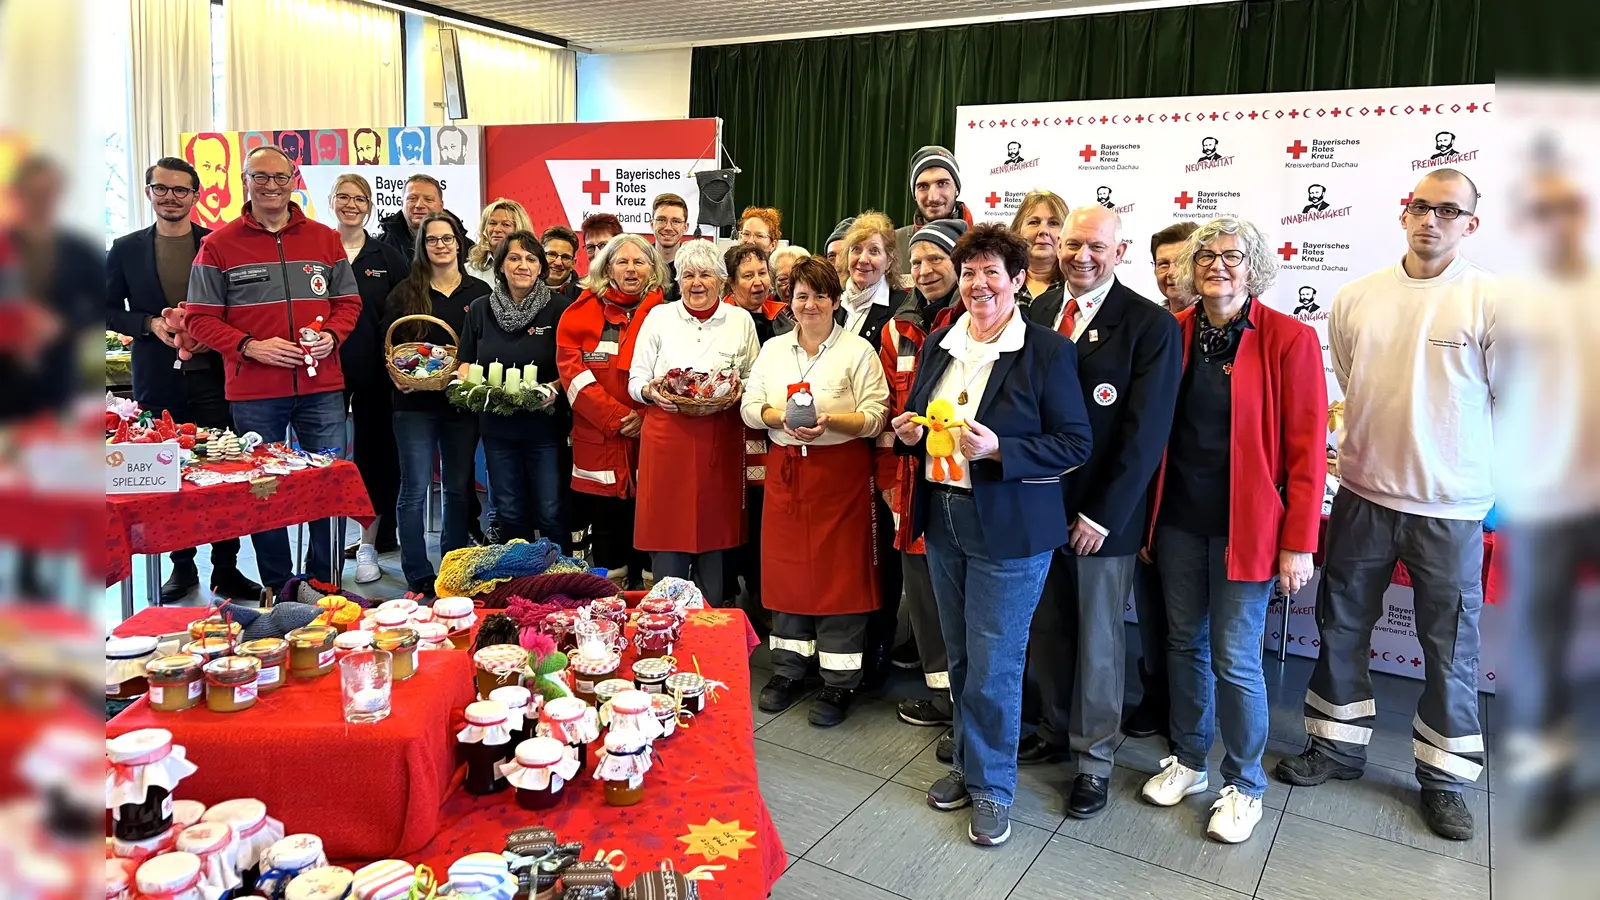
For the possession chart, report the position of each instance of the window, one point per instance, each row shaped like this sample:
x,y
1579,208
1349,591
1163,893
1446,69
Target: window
x,y
219,66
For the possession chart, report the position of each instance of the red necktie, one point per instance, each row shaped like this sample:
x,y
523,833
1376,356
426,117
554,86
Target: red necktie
x,y
1069,318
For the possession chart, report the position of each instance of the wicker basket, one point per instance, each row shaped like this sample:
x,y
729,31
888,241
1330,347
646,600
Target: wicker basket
x,y
693,406
438,381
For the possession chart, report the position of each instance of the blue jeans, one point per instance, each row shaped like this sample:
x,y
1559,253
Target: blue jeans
x,y
985,608
419,435
525,485
1214,627
318,422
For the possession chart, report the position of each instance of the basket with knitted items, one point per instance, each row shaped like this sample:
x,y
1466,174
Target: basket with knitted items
x,y
420,365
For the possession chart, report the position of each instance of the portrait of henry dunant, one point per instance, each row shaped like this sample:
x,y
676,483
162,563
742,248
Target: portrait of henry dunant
x,y
410,147
1013,152
1444,145
369,147
1314,200
1102,196
211,155
452,146
1208,149
1308,301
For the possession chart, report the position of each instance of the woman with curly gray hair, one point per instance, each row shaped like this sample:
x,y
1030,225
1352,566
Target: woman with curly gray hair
x,y
1238,500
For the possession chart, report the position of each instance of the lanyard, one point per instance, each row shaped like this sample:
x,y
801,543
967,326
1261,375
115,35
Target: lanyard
x,y
813,364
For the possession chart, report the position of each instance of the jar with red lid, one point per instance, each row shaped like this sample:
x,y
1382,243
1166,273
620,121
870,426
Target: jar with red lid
x,y
660,606
256,831
655,635
273,654
612,609
560,625
176,682
485,745
145,769
572,722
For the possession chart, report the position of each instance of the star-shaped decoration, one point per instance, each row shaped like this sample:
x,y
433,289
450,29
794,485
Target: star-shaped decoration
x,y
264,487
710,617
714,840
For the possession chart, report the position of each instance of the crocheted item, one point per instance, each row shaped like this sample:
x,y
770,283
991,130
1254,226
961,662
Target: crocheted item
x,y
301,589
275,622
548,665
548,592
471,571
338,611
683,594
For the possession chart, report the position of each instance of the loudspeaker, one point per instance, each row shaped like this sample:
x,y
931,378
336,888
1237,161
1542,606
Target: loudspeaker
x,y
716,198
455,86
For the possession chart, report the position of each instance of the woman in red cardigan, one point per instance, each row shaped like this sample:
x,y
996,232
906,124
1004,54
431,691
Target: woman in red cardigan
x,y
1238,499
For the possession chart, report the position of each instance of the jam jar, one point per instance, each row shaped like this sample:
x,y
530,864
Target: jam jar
x,y
655,635
588,671
170,876
666,710
147,767
519,705
622,766
455,613
351,641
125,666
209,648
400,642
499,665
650,674
660,606
432,636
613,609
256,832
119,877
286,858
386,879
403,604
273,654
605,690
485,745
231,683
320,883
630,710
214,626
541,768
571,721
311,653
218,848
176,682
691,688
560,626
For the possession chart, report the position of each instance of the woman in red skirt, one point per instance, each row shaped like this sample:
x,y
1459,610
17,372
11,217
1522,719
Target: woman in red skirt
x,y
820,393
691,468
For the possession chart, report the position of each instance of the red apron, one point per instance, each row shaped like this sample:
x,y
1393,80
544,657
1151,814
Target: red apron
x,y
691,482
818,553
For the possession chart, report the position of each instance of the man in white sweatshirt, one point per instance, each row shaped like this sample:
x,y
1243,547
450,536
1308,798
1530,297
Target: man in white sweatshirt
x,y
1414,350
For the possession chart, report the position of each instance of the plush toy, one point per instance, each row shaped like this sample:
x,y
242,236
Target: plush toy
x,y
548,665
801,410
940,422
310,335
176,319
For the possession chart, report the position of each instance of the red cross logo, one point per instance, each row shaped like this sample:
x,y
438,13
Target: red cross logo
x,y
1406,200
1294,113
1380,110
307,269
972,124
1472,107
1425,109
1213,117
1252,114
993,199
1036,123
1183,200
1139,118
1287,251
594,187
1336,112
1416,661
1088,152
1105,394
1296,148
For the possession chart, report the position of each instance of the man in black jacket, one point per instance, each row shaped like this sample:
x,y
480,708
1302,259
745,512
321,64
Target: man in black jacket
x,y
424,195
147,271
1130,362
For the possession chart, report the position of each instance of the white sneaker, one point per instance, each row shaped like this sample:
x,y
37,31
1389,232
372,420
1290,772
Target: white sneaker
x,y
1234,817
367,570
1175,782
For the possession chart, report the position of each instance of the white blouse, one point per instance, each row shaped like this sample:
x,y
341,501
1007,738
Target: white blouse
x,y
670,337
968,373
845,377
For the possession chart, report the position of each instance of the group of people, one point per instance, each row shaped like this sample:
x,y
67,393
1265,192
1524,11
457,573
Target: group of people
x,y
978,425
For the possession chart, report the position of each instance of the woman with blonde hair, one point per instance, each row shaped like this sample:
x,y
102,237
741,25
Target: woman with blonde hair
x,y
1039,220
869,266
379,270
500,218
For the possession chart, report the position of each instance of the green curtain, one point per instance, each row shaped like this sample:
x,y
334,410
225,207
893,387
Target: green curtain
x,y
825,128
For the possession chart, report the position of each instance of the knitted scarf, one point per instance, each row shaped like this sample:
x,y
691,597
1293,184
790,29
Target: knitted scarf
x,y
513,316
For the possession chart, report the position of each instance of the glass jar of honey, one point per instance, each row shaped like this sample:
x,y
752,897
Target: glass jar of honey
x,y
499,665
622,765
311,653
273,654
176,682
209,648
231,683
213,626
126,659
400,642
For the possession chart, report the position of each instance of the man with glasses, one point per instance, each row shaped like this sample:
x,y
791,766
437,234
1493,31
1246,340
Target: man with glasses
x,y
147,272
424,195
1413,348
669,220
560,261
935,185
256,284
1130,362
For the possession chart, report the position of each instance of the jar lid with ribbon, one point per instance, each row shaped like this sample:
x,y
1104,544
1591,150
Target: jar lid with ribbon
x,y
433,635
243,814
512,696
213,626
353,640
139,851
386,879
119,876
688,684
187,812
631,702
312,636
269,650
209,647
168,874
453,607
389,618
175,666
565,709
403,604
140,760
487,723
540,751
296,852
230,671
320,883
482,873
205,837
595,665
422,615
501,659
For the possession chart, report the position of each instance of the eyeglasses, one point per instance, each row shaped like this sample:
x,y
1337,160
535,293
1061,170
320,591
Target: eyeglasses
x,y
440,240
593,249
357,199
1419,208
1230,258
260,179
162,190
1165,265
676,223
553,256
753,236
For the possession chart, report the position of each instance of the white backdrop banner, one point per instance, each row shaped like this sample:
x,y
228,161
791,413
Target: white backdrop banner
x,y
1324,174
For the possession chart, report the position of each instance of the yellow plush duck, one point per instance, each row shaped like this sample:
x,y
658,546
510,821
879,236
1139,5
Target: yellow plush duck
x,y
940,422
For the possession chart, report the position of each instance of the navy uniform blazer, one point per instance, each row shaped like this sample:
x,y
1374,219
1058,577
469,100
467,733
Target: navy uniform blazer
x,y
133,297
1130,363
1034,405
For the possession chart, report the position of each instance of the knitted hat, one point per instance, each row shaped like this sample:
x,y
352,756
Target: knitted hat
x,y
934,156
941,233
275,622
839,231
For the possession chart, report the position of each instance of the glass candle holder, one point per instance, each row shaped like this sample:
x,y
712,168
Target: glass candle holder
x,y
365,677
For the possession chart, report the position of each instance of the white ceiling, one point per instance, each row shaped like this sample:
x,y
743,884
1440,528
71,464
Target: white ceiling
x,y
658,24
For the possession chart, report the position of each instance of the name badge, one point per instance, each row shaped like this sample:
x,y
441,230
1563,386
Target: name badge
x,y
593,356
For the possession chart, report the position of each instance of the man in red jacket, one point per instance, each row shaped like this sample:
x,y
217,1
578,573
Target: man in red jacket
x,y
259,283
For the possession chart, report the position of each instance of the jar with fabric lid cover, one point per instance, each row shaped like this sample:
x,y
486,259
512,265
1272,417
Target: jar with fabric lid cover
x,y
126,659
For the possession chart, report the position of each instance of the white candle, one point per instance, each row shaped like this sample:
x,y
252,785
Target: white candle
x,y
496,372
513,380
475,374
370,700
530,374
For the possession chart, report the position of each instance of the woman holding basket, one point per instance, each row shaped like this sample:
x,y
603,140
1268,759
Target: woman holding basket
x,y
424,422
515,326
691,450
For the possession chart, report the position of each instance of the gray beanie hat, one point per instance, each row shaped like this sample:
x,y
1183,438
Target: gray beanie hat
x,y
935,157
838,232
943,233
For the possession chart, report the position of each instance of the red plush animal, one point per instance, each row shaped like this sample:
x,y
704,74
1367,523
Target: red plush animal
x,y
175,318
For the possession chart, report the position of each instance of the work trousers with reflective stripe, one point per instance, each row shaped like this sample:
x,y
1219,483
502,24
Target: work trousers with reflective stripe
x,y
1445,559
923,613
838,644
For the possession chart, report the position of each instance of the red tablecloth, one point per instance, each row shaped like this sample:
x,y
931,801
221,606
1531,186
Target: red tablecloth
x,y
370,791
1491,573
161,523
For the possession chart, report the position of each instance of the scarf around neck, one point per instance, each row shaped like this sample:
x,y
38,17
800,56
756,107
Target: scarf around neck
x,y
513,316
858,299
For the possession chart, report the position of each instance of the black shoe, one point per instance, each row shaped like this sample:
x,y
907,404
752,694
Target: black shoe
x,y
422,590
1148,719
905,656
1447,815
945,750
1033,750
829,707
184,578
927,713
350,551
1088,796
779,694
1313,767
475,535
231,583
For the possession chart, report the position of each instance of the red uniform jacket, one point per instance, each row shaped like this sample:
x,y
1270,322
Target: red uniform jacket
x,y
594,348
249,283
1279,466
898,351
755,439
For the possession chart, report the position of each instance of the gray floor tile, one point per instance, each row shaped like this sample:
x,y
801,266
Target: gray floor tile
x,y
1384,804
870,740
809,881
1070,869
1041,790
1174,838
808,796
896,842
1314,861
1145,755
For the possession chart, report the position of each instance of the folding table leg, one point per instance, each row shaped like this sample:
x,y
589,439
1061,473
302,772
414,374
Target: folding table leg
x,y
152,579
127,597
336,552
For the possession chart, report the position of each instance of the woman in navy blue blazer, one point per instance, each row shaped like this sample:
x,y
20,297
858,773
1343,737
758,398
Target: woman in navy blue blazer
x,y
1010,424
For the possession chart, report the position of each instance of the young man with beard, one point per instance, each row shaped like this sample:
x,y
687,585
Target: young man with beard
x,y
147,272
669,219
935,184
424,195
560,259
